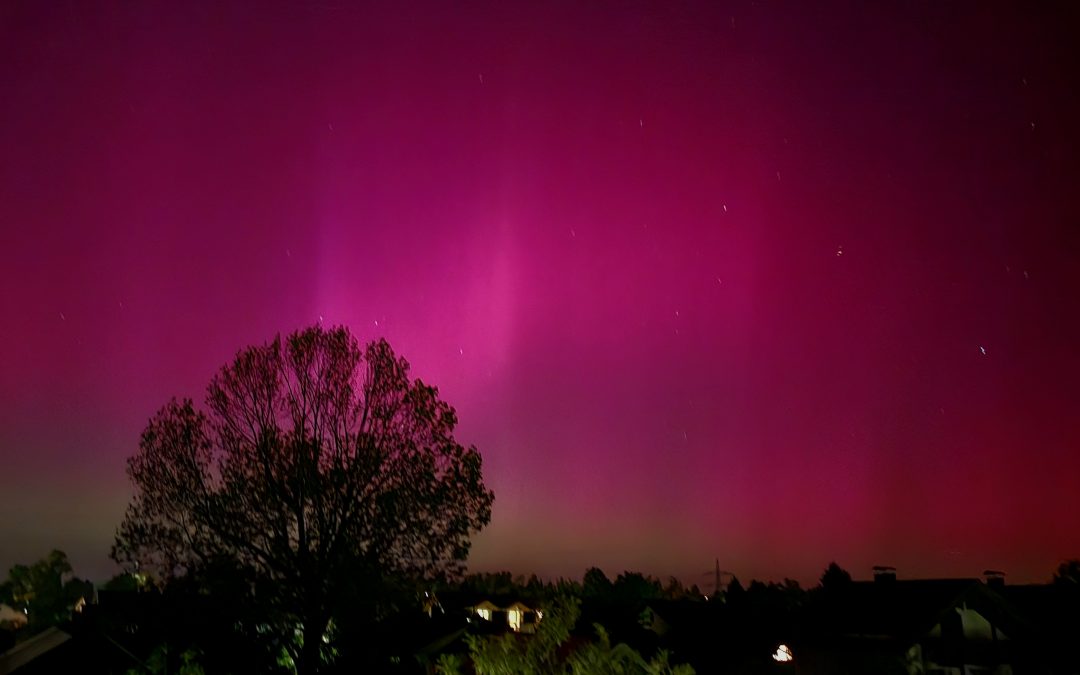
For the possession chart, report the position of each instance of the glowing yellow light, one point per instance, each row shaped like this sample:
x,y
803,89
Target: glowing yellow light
x,y
514,618
783,654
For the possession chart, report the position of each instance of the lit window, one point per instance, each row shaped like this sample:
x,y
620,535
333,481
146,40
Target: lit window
x,y
485,614
783,654
513,618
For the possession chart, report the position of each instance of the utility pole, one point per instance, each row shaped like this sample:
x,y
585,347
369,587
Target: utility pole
x,y
717,575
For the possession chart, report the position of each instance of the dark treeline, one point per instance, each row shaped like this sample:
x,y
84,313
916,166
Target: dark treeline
x,y
210,620
635,608
593,584
133,626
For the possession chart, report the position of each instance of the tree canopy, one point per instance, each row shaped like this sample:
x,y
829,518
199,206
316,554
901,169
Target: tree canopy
x,y
835,578
1068,574
45,591
554,651
315,468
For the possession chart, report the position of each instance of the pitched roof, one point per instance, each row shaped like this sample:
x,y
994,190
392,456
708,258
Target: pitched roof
x,y
1052,607
31,649
907,610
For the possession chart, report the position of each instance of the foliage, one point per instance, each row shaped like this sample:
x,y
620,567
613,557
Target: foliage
x,y
505,583
316,468
551,651
491,583
159,663
735,589
595,583
46,591
674,589
125,582
596,587
1068,574
835,578
630,587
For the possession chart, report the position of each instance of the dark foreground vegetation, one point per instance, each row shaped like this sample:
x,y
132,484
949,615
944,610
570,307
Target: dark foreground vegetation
x,y
631,624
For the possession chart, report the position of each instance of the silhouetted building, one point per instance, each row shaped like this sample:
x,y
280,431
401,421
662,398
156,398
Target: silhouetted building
x,y
933,626
518,614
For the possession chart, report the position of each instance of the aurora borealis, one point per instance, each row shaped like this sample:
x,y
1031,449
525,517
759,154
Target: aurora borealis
x,y
767,282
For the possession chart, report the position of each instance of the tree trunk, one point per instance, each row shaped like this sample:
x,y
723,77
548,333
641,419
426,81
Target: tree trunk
x,y
310,653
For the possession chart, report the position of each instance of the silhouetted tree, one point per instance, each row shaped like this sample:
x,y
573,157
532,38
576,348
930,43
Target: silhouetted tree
x,y
735,591
1068,574
835,578
595,583
490,583
534,586
563,586
125,581
632,587
674,590
315,471
45,591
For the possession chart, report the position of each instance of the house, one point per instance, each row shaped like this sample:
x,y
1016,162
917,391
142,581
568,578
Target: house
x,y
1055,611
931,627
11,618
518,614
515,614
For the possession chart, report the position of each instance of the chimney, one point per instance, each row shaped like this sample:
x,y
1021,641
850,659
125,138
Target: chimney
x,y
994,578
884,574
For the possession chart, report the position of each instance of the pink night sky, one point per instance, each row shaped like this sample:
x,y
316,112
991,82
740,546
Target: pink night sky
x,y
759,281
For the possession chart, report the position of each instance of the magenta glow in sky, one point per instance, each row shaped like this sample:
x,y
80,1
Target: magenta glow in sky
x,y
760,281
